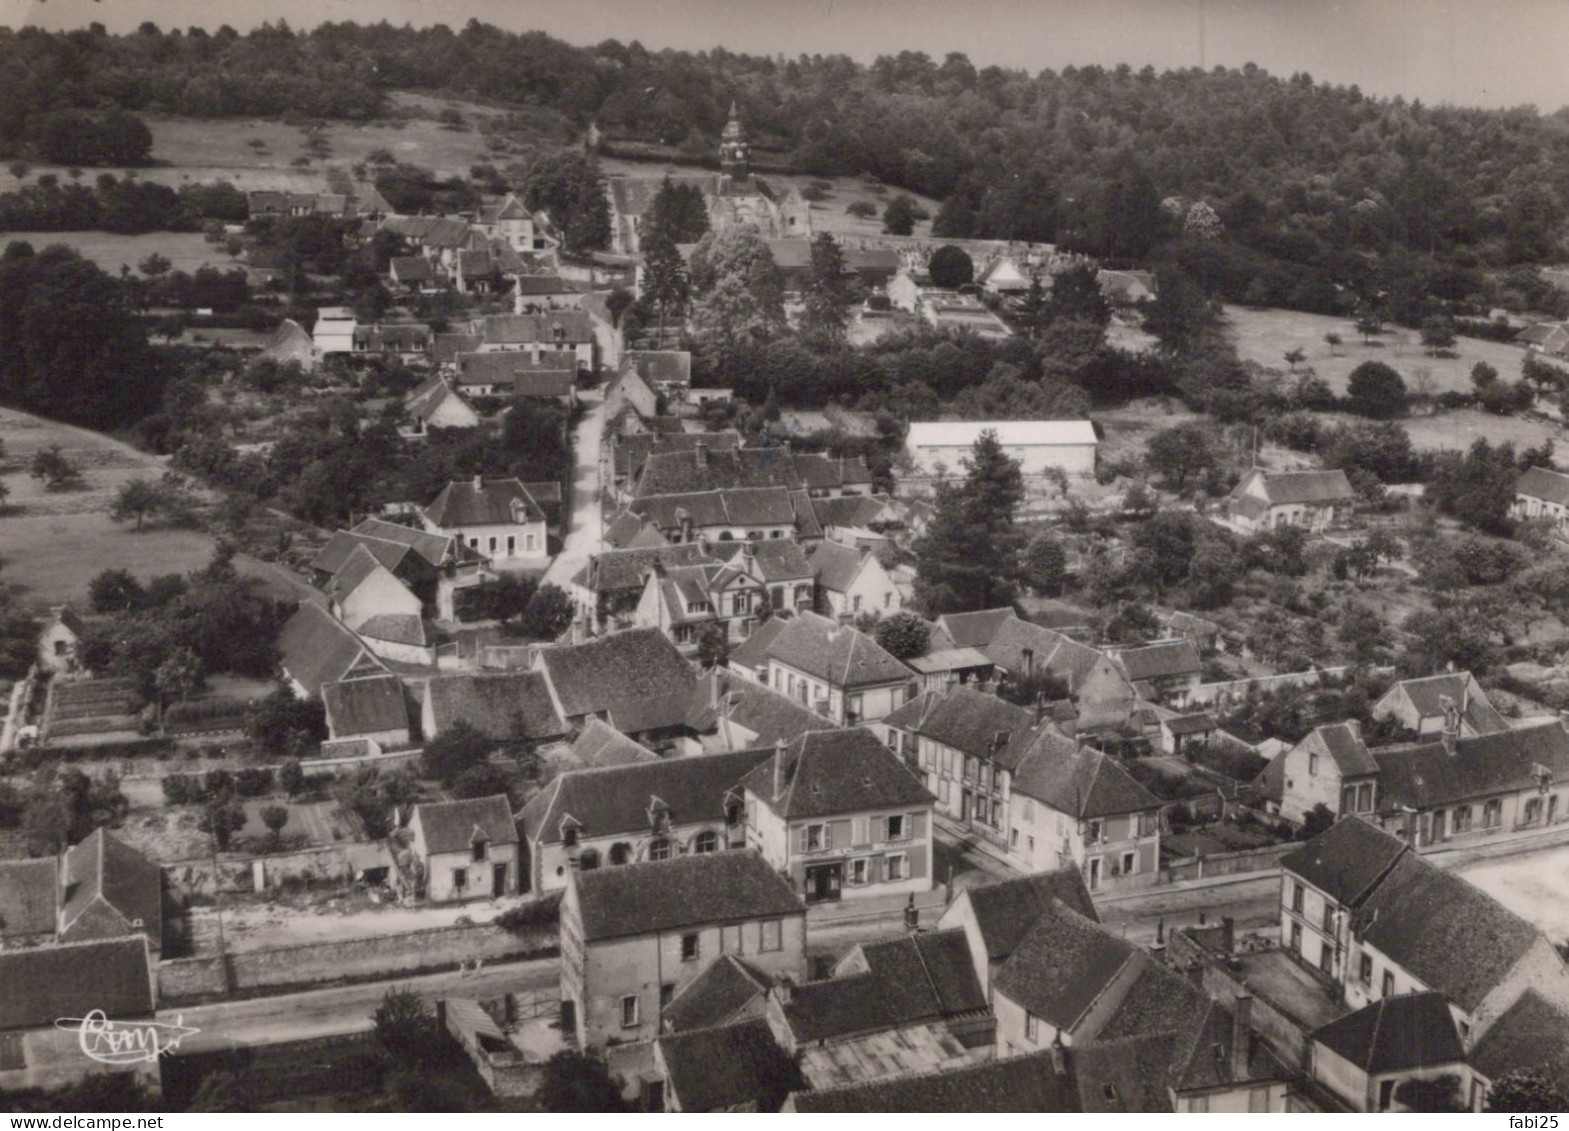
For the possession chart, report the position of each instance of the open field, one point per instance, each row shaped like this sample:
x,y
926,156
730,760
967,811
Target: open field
x,y
54,544
319,822
1461,428
1535,887
185,250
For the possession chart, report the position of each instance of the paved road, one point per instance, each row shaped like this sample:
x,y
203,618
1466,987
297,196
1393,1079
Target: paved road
x,y
341,1009
585,528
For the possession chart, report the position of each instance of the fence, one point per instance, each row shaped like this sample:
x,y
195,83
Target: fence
x,y
1225,863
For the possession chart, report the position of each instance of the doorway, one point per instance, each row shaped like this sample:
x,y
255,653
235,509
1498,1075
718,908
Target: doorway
x,y
498,880
1095,873
823,882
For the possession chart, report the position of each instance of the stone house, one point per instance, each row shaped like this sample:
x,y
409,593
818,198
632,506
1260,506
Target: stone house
x,y
316,649
466,849
1365,1056
503,706
498,518
1164,671
1041,447
684,601
59,640
1542,493
372,707
1331,767
1315,500
1424,705
635,680
835,669
996,916
438,404
851,581
565,334
608,589
632,938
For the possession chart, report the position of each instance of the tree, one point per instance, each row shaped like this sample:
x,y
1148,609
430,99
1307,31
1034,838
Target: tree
x,y
1045,564
180,676
57,473
569,185
899,216
115,591
1181,453
1370,324
1202,223
968,558
454,750
903,635
861,209
1525,1091
618,302
579,1082
282,724
827,290
137,498
549,613
740,294
1076,296
677,213
1434,1095
1483,375
484,780
665,281
951,266
405,1031
1180,314
154,266
1315,821
222,818
46,824
1212,573
1377,391
275,817
1438,333
291,776
713,646
1295,357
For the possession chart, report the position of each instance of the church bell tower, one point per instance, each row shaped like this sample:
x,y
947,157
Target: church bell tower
x,y
733,150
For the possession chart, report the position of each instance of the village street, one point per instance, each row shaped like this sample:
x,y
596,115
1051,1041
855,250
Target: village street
x,y
585,526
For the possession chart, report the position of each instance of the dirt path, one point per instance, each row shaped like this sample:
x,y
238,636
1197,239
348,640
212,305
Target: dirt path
x,y
585,529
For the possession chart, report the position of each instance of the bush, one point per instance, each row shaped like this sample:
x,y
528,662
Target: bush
x,y
253,781
535,914
217,783
180,789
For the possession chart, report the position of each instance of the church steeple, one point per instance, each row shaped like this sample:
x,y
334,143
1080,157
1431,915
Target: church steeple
x,y
733,149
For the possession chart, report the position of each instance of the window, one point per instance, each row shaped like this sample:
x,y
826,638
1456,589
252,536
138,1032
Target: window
x,y
480,850
1365,797
1326,958
13,1056
1258,1099
893,867
659,849
667,993
730,939
1348,799
887,600
569,836
690,947
1032,846
1312,764
493,543
1329,918
1198,1104
898,827
860,873
1296,938
460,879
60,647
1013,838
733,813
707,841
621,853
589,860
1460,820
1129,862
1387,988
855,708
1365,968
1095,832
813,838
772,932
1492,813
1296,898
629,1011
512,544
1533,811
855,604
1032,1027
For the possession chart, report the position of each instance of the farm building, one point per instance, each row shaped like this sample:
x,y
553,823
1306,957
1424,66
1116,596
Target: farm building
x,y
1038,445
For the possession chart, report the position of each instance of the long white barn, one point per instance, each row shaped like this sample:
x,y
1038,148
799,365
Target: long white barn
x,y
1037,444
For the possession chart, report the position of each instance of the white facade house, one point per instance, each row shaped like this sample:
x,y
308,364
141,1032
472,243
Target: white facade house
x,y
334,330
1038,445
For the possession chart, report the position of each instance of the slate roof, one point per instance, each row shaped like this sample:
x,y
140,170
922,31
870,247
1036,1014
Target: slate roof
x,y
1078,780
1299,487
525,329
1427,693
715,996
434,548
446,348
492,503
1426,774
29,897
1061,965
1531,1033
667,367
1346,860
316,648
910,980
1395,1034
365,706
836,771
1443,931
740,506
49,982
356,569
776,560
979,724
638,677
770,716
728,1067
612,571
1050,651
688,891
752,652
452,826
975,630
610,800
837,565
692,470
1161,660
343,543
108,887
863,511
601,745
396,628
1342,742
1020,1083
1544,483
633,450
493,703
523,377
1130,1075
1006,911
840,655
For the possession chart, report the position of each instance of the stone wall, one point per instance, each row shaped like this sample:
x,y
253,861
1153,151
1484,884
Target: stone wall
x,y
1266,859
189,979
326,865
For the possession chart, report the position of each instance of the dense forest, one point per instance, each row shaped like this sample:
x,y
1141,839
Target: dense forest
x,y
1301,194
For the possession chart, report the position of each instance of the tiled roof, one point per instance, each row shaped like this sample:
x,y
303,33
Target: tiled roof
x,y
1048,650
688,891
752,653
1346,860
851,510
1544,483
1078,780
396,628
728,1067
975,722
29,896
634,672
1130,1075
840,655
453,826
495,704
673,367
837,565
356,569
1061,965
434,548
1209,1063
716,995
1427,695
412,269
903,981
1201,722
1342,742
45,983
341,546
365,706
612,800
316,648
701,469
1444,932
1157,1000
1532,1033
492,503
741,506
1395,1034
1426,774
770,716
633,450
446,348
1006,911
601,745
1161,660
1016,1084
975,630
835,771
1297,487
525,329
612,571
776,559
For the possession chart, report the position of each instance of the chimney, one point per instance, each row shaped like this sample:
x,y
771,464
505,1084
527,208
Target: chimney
x,y
1241,1033
1451,729
1228,934
701,451
1059,1056
479,483
747,550
779,757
